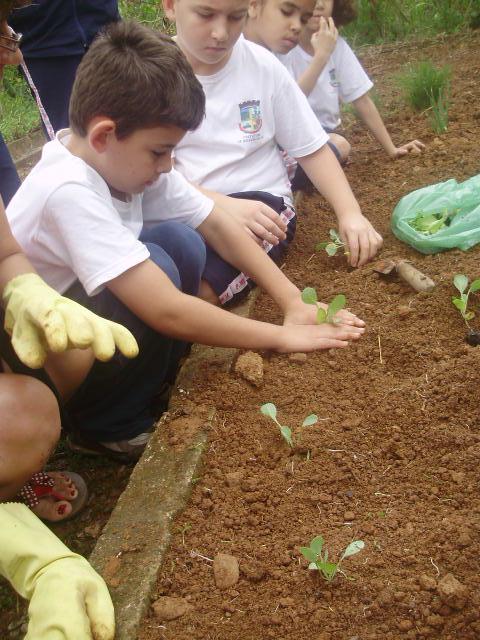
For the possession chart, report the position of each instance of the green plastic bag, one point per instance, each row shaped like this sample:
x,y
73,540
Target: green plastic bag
x,y
463,230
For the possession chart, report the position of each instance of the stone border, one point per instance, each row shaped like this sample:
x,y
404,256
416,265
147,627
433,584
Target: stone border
x,y
26,151
131,548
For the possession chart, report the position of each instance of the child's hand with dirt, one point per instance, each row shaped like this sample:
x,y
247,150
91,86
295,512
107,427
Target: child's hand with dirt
x,y
300,313
307,337
415,147
325,39
360,237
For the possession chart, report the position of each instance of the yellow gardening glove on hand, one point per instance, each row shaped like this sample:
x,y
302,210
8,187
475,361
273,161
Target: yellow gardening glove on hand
x,y
68,599
39,320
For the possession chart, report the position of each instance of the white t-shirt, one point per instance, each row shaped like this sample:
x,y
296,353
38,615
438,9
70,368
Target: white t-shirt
x,y
70,227
253,105
342,79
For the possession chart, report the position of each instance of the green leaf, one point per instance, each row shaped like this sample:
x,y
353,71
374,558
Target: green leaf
x,y
459,303
287,434
336,305
461,282
313,565
475,286
331,248
309,295
309,420
469,316
309,554
333,233
321,316
328,569
321,245
270,410
316,544
353,548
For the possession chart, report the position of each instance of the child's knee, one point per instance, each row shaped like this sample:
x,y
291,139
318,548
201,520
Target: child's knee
x,y
342,144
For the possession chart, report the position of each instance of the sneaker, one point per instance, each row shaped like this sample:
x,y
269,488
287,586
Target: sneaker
x,y
123,451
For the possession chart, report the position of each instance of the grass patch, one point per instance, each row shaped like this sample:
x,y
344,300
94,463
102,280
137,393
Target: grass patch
x,y
424,83
149,12
391,20
18,110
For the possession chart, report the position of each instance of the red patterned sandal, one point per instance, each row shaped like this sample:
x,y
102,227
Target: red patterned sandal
x,y
39,495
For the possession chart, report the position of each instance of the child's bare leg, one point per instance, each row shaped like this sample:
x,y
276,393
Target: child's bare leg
x,y
342,144
205,292
29,430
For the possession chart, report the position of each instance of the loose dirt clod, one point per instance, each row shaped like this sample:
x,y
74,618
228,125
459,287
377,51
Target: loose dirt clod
x,y
168,608
298,357
225,570
250,366
452,592
427,582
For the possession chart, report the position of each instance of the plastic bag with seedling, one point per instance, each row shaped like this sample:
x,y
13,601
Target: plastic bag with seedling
x,y
430,223
317,556
333,245
309,296
270,410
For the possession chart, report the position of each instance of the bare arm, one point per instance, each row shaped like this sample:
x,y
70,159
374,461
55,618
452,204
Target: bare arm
x,y
370,116
328,177
149,294
12,261
323,42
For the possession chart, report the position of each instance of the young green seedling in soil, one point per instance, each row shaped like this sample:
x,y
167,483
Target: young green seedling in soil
x,y
270,410
309,296
317,556
460,282
333,245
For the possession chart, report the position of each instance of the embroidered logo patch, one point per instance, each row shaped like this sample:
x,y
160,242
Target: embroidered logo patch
x,y
250,116
333,78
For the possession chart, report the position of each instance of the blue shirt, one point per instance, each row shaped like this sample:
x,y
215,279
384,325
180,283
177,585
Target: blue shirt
x,y
61,27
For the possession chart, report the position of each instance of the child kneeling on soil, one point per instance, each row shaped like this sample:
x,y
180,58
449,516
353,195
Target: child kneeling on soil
x,y
252,107
326,69
107,222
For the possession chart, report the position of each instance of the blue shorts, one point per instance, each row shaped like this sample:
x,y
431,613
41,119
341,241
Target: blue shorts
x,y
226,280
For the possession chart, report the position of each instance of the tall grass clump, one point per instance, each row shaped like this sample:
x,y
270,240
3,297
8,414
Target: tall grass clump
x,y
390,20
423,83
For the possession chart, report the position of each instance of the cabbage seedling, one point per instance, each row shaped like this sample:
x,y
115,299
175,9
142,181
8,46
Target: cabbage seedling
x,y
270,410
460,282
333,245
317,556
309,296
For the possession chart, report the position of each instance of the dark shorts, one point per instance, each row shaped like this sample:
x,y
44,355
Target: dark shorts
x,y
226,280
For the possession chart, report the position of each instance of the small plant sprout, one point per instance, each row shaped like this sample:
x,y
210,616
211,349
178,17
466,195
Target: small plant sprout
x,y
333,245
317,556
270,410
460,282
309,296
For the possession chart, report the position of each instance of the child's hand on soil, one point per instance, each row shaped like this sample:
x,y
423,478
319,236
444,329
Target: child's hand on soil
x,y
306,337
259,220
301,313
324,40
415,148
360,237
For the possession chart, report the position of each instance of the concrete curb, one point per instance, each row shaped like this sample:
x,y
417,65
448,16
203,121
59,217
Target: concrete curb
x,y
26,151
130,551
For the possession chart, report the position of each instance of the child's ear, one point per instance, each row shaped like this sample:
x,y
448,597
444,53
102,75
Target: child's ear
x,y
253,9
169,9
100,132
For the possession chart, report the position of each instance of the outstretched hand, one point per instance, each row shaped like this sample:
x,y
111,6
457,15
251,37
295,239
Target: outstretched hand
x,y
415,148
259,220
40,319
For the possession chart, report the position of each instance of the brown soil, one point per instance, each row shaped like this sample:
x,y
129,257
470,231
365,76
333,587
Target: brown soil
x,y
393,460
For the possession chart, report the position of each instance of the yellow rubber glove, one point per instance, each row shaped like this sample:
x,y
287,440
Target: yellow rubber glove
x,y
68,599
40,319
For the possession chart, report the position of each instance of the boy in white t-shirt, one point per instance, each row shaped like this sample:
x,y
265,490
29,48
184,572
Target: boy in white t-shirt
x,y
252,107
328,72
105,221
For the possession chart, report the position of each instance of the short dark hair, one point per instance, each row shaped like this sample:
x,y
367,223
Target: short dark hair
x,y
344,11
137,77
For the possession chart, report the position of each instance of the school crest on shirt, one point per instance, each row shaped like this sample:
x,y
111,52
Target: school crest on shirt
x,y
333,78
250,116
